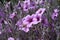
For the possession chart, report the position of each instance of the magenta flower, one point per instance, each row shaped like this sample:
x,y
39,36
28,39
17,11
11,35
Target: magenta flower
x,y
40,11
11,38
26,5
32,5
29,20
55,14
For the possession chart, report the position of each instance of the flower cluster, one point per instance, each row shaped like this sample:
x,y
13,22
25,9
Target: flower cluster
x,y
30,20
36,18
29,4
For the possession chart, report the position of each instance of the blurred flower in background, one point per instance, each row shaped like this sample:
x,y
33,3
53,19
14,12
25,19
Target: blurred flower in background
x,y
29,20
11,38
38,18
12,15
26,5
55,14
45,21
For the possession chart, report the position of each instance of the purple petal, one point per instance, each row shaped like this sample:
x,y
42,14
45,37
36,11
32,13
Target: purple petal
x,y
40,11
24,29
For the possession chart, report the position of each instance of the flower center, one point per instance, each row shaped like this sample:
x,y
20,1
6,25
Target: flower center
x,y
40,11
30,20
37,18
